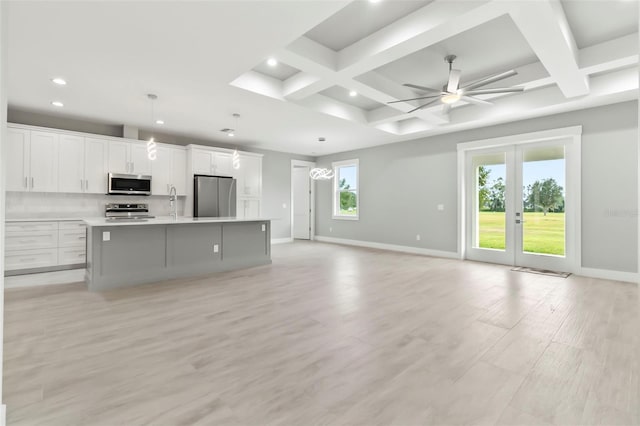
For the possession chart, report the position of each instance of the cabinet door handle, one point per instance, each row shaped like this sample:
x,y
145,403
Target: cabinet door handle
x,y
32,180
26,183
86,184
133,166
81,185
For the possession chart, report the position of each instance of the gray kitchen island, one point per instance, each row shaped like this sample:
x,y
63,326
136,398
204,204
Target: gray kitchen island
x,y
126,253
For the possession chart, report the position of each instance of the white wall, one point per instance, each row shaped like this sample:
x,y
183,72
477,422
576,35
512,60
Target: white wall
x,y
3,132
402,184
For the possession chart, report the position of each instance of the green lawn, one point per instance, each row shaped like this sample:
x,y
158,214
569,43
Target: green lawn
x,y
542,234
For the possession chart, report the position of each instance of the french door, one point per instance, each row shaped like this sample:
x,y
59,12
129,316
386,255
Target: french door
x,y
520,207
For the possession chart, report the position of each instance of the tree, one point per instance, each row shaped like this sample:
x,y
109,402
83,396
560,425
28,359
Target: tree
x,y
496,195
546,194
483,190
347,198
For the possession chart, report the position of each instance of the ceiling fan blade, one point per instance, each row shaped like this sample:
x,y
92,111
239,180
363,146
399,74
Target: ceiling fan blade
x,y
426,89
422,106
454,81
446,108
414,99
476,101
490,79
492,91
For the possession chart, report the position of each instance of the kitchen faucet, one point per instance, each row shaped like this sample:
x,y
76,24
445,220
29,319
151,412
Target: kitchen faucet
x,y
173,202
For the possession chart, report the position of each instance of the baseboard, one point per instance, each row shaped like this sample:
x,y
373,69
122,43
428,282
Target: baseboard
x,y
281,240
390,247
608,274
46,278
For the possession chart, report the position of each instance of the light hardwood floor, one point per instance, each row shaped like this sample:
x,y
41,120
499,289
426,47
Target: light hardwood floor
x,y
328,335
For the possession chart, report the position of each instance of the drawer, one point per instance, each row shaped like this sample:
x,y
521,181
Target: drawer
x,y
72,238
12,227
71,255
71,225
27,259
31,240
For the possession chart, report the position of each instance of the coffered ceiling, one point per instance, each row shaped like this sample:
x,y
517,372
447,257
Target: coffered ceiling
x,y
208,60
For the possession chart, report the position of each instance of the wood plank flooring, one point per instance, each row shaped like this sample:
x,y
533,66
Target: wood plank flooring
x,y
328,335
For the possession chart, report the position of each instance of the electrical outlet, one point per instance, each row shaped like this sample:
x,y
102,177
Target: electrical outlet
x,y
216,248
330,229
284,205
106,236
440,207
417,237
264,227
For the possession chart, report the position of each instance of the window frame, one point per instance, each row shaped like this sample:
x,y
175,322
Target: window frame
x,y
336,191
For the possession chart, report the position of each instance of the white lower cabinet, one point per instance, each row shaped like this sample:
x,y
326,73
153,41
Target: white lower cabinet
x,y
46,244
248,208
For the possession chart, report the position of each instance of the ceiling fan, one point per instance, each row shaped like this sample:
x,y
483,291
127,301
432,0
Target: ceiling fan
x,y
452,92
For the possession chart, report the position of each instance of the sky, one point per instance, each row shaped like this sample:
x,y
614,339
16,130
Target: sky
x,y
533,171
348,173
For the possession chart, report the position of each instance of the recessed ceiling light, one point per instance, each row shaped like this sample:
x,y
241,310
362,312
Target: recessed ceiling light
x,y
353,93
59,81
57,104
159,121
231,134
272,62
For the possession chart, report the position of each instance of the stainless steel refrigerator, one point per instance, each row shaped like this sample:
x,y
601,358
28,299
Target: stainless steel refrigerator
x,y
214,196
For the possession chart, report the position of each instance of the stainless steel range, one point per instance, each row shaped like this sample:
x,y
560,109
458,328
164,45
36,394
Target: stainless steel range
x,y
124,212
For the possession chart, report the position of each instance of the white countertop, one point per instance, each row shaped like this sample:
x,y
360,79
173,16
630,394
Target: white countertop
x,y
167,220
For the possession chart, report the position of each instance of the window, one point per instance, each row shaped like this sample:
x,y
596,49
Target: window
x,y
345,190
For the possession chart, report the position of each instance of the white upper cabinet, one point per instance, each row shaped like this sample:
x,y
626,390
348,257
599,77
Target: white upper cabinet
x,y
71,164
222,164
169,169
202,162
139,158
129,157
43,162
249,176
179,170
17,164
95,165
119,157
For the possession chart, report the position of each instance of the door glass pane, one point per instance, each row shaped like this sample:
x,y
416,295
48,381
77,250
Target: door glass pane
x,y
543,195
490,180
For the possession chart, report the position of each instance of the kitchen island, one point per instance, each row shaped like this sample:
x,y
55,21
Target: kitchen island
x,y
129,252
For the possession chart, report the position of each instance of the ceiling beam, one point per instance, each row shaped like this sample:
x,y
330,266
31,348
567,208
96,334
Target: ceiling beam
x,y
544,26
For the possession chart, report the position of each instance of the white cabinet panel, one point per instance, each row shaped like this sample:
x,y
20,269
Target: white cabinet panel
x,y
95,166
44,162
31,240
222,164
202,162
16,227
119,157
72,225
179,170
71,256
17,164
72,238
71,164
139,158
248,208
250,176
26,259
161,171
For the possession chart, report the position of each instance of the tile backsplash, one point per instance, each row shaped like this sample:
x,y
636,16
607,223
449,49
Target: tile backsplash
x,y
27,205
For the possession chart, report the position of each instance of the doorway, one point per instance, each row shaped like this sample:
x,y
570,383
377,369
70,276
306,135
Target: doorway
x,y
302,200
521,201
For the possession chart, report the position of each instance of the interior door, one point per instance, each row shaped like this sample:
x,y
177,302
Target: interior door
x,y
518,204
301,203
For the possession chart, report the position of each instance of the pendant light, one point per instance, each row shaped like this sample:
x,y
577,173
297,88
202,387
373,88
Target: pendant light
x,y
152,153
320,173
235,158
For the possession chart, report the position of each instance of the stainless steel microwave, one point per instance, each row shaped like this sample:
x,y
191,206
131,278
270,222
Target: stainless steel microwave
x,y
124,184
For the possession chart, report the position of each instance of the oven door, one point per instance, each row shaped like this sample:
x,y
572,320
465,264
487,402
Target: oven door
x,y
123,184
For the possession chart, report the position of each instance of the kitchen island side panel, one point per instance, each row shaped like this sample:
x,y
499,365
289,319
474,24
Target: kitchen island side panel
x,y
145,253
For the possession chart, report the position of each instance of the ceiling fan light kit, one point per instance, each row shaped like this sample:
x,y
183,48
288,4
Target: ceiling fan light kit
x,y
452,92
